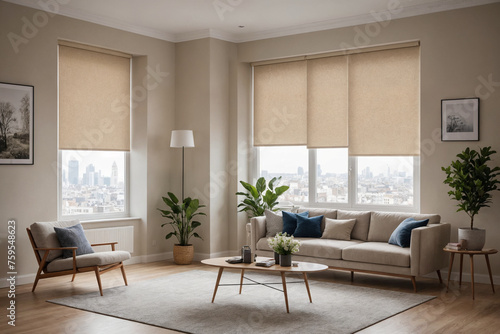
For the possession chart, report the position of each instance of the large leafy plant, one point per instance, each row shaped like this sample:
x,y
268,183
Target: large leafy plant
x,y
181,218
260,197
472,180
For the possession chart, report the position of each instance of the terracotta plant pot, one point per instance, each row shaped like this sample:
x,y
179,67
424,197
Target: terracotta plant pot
x,y
475,239
183,254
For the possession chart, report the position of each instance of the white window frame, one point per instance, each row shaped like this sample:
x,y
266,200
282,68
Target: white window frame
x,y
94,216
352,187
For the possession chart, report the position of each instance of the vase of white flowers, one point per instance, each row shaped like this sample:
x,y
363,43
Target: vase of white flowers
x,y
285,246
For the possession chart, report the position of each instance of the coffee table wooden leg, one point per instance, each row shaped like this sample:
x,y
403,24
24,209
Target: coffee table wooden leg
x,y
461,266
221,269
472,274
283,280
452,255
241,279
307,286
489,271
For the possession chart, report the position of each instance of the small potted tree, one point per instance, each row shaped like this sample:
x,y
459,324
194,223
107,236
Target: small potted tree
x,y
181,219
472,182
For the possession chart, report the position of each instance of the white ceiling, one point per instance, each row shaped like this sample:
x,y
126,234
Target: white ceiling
x,y
181,20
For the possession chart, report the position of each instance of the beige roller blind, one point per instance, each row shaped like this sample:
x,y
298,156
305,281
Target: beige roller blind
x,y
384,106
280,104
94,100
327,98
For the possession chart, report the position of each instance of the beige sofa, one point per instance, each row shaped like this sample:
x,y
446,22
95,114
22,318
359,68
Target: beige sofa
x,y
368,250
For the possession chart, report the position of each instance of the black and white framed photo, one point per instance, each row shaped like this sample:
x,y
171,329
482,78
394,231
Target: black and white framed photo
x,y
460,119
16,124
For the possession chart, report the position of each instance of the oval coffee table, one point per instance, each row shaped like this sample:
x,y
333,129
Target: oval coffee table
x,y
303,267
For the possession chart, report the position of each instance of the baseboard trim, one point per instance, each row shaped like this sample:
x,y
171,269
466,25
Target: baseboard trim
x,y
466,277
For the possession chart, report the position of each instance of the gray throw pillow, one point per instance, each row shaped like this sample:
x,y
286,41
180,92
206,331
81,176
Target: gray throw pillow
x,y
339,229
274,223
73,236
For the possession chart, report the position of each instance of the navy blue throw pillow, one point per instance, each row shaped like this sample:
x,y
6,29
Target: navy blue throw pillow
x,y
402,234
73,236
308,227
290,221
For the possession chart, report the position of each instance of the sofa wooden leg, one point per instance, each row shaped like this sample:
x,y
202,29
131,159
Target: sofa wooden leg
x,y
352,276
439,276
414,282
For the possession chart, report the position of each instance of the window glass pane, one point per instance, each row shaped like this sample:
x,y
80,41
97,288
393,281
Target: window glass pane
x,y
92,182
385,181
332,175
291,163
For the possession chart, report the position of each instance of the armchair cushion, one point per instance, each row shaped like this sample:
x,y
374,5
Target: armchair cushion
x,y
73,236
44,236
88,260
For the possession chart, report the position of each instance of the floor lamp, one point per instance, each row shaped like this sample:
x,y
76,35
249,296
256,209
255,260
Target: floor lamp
x,y
182,138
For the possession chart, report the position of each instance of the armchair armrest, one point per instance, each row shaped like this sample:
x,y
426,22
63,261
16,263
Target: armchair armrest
x,y
55,248
112,244
427,245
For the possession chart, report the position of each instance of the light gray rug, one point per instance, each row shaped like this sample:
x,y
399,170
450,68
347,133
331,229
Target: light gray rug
x,y
182,302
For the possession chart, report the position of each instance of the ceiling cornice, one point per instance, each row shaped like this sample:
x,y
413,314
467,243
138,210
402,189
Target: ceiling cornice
x,y
409,11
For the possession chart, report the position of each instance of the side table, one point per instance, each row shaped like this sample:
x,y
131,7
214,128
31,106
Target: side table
x,y
471,253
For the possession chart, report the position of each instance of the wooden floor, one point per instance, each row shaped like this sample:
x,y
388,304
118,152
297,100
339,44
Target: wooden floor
x,y
452,312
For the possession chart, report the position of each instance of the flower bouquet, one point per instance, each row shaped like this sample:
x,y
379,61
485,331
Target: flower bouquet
x,y
284,245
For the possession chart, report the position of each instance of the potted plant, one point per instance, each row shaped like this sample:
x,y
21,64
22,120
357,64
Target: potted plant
x,y
260,197
472,182
181,219
284,245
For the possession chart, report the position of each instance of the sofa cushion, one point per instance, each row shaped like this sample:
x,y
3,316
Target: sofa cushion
x,y
320,248
308,227
274,223
339,229
402,234
290,221
44,236
382,224
360,229
378,253
73,236
88,260
326,213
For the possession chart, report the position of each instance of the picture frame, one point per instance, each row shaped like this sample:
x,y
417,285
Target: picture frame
x,y
16,124
460,119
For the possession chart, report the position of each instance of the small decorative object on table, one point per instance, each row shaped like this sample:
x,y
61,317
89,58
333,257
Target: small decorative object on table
x,y
454,245
285,246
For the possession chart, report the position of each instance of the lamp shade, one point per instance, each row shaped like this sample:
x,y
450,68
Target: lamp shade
x,y
182,138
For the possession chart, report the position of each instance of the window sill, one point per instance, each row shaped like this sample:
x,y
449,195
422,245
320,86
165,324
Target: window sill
x,y
110,220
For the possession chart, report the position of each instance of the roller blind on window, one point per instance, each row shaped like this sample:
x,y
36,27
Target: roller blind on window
x,y
94,99
327,102
366,101
384,103
280,104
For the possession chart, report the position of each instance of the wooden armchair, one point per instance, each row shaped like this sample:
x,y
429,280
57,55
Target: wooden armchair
x,y
48,253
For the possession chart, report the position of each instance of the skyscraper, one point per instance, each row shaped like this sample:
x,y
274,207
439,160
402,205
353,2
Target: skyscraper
x,y
73,170
114,175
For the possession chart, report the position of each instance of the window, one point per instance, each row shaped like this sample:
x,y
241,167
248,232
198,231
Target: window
x,y
356,120
94,132
93,183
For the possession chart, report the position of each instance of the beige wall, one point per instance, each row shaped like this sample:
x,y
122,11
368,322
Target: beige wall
x,y
459,52
29,193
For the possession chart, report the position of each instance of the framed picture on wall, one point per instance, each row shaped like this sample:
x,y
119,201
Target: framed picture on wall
x,y
460,119
16,124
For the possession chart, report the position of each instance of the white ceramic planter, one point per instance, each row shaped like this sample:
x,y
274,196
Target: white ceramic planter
x,y
475,238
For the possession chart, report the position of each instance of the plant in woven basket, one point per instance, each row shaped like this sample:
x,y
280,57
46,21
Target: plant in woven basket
x,y
181,217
